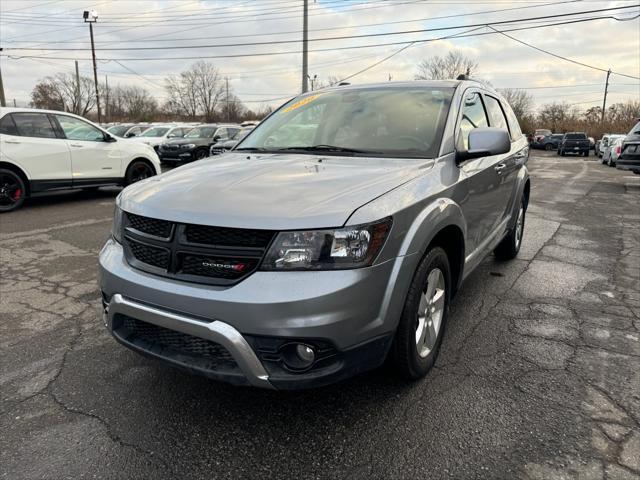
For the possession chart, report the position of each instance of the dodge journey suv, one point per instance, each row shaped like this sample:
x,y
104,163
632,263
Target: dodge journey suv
x,y
330,240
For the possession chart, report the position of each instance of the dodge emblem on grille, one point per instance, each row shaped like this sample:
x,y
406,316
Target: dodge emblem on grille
x,y
238,267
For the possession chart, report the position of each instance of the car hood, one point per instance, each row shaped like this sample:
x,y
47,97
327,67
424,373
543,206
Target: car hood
x,y
274,191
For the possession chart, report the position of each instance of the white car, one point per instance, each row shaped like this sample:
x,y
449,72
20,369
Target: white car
x,y
607,144
159,134
44,150
615,149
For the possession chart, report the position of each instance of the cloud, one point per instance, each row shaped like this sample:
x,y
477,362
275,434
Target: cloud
x,y
165,23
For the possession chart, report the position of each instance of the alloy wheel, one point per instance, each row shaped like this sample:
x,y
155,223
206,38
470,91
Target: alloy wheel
x,y
430,313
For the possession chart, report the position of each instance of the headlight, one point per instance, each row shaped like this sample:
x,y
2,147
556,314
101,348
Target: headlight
x,y
188,145
349,247
116,227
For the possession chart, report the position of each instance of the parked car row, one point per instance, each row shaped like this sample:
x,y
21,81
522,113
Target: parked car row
x,y
44,150
626,151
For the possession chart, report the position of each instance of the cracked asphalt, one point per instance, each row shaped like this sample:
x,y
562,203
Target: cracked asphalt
x,y
538,376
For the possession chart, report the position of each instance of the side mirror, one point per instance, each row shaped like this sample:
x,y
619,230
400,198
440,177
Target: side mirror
x,y
485,142
130,134
109,138
217,138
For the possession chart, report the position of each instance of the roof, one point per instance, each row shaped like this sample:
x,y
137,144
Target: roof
x,y
413,84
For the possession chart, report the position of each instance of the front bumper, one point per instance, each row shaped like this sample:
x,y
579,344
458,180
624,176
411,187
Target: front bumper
x,y
350,315
176,156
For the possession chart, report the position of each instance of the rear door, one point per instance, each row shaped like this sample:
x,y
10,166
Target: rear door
x,y
509,163
484,206
93,160
30,140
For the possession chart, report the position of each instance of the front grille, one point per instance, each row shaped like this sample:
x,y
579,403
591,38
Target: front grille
x,y
157,257
169,342
228,237
193,253
217,267
150,226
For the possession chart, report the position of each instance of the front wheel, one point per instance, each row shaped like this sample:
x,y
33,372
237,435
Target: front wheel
x,y
12,191
548,147
138,170
509,247
200,154
422,323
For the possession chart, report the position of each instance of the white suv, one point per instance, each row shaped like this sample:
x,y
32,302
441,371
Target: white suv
x,y
43,150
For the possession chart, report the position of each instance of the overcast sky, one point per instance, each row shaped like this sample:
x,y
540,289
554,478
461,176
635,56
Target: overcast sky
x,y
603,43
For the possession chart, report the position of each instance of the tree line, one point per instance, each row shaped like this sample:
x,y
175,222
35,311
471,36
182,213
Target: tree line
x,y
196,94
201,93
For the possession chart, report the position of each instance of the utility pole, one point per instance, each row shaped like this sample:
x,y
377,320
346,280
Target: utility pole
x,y
91,18
604,101
106,101
77,88
3,103
305,46
226,80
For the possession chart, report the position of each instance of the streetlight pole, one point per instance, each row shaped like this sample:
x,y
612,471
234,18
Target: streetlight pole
x,y
91,18
305,45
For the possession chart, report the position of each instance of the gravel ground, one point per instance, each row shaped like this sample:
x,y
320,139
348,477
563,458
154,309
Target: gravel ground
x,y
538,376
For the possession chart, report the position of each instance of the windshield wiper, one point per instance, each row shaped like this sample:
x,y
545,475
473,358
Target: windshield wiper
x,y
254,149
326,148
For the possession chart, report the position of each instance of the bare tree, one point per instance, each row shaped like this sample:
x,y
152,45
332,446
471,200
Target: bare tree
x,y
63,87
451,65
196,91
138,103
45,95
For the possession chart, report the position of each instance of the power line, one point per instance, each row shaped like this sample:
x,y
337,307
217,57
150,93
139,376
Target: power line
x,y
345,27
262,54
345,37
560,56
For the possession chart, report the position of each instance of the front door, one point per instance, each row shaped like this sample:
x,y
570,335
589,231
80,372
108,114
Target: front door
x,y
30,141
92,158
483,206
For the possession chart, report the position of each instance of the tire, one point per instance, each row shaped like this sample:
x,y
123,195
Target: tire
x,y
12,190
548,147
138,170
413,357
563,153
509,247
586,154
200,154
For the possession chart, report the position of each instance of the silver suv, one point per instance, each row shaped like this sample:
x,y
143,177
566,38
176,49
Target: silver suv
x,y
332,238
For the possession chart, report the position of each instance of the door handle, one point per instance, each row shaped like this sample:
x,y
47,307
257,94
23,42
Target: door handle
x,y
12,141
77,145
500,167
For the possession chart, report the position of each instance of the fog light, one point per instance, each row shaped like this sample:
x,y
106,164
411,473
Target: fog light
x,y
298,356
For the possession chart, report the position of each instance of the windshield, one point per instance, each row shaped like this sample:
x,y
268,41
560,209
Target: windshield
x,y
240,134
201,132
576,136
635,130
382,121
155,132
118,130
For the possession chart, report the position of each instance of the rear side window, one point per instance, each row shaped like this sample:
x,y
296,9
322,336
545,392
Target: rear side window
x,y
514,126
496,115
33,125
7,126
473,116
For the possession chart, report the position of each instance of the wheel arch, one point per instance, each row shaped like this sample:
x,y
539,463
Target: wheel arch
x,y
19,171
139,159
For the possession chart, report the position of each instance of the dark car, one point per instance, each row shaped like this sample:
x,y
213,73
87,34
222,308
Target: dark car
x,y
223,146
574,142
629,158
549,142
128,130
195,144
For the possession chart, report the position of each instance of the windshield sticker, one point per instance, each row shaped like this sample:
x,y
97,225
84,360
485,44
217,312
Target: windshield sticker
x,y
302,102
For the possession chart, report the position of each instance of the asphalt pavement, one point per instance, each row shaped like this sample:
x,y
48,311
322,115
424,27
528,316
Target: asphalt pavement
x,y
538,376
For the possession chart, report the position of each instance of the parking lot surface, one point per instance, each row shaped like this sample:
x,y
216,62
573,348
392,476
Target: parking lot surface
x,y
538,376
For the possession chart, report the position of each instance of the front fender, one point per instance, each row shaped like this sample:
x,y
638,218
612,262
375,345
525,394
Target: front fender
x,y
441,213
